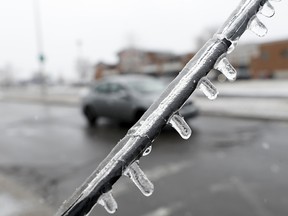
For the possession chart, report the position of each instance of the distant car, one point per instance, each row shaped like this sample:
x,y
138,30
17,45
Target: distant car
x,y
125,98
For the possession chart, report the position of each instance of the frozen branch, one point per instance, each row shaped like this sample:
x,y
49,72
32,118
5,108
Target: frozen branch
x,y
124,158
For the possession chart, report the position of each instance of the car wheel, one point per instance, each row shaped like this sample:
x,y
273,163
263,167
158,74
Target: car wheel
x,y
90,115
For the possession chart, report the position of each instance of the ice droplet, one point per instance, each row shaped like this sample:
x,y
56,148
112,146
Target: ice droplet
x,y
139,178
258,27
226,68
232,46
267,10
180,125
147,151
208,88
108,202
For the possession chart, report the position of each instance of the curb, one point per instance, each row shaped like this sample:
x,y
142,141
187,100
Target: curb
x,y
40,101
248,95
243,116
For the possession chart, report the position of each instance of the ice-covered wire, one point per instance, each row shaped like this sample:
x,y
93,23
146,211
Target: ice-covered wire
x,y
124,157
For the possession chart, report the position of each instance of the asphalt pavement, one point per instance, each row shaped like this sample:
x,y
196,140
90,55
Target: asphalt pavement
x,y
233,164
230,166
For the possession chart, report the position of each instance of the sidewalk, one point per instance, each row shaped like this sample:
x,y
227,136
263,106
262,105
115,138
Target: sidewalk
x,y
254,89
16,200
240,107
33,94
254,99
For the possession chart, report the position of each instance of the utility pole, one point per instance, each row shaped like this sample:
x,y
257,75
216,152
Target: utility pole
x,y
39,42
79,61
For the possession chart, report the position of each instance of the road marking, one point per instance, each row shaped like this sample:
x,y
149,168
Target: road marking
x,y
216,188
252,199
171,169
165,210
156,174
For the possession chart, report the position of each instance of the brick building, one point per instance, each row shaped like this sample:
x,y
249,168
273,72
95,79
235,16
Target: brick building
x,y
145,62
268,60
241,59
271,61
103,69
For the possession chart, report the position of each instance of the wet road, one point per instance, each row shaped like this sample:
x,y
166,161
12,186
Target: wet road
x,y
228,167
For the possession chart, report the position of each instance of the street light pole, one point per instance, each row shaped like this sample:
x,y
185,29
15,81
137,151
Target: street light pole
x,y
39,43
79,61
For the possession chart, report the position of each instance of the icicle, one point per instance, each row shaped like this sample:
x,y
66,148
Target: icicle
x,y
268,10
226,68
180,125
208,88
108,202
258,27
139,178
147,151
232,46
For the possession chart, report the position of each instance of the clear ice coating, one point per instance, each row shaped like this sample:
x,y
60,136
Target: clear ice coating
x,y
208,88
232,46
108,202
180,125
147,151
258,27
226,68
139,178
268,9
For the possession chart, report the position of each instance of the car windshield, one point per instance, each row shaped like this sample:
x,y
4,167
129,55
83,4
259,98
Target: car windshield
x,y
147,86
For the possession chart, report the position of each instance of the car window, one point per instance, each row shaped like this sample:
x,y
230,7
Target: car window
x,y
102,88
147,86
107,88
115,87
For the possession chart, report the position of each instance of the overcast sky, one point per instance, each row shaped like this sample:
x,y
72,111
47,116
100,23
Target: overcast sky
x,y
106,26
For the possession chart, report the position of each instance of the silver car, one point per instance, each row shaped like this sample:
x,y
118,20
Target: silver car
x,y
125,98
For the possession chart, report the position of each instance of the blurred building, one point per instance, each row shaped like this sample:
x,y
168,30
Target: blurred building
x,y
271,61
241,58
268,60
103,69
144,62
